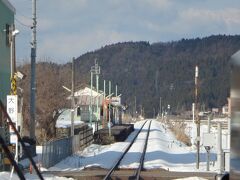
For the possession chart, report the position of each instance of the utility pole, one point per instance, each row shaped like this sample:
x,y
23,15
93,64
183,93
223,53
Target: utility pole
x,y
104,89
97,72
160,107
116,109
219,149
94,70
135,106
197,120
140,107
193,121
109,88
72,97
97,100
208,147
104,101
33,64
109,110
154,113
91,98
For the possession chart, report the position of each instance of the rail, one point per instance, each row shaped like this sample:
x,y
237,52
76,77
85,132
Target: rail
x,y
140,168
115,166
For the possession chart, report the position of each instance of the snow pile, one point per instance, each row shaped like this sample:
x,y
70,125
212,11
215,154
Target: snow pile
x,y
6,176
64,120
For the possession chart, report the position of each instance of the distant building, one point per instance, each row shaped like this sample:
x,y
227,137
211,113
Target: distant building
x,y
83,101
100,107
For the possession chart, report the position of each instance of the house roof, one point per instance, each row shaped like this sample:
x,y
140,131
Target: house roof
x,y
9,5
83,97
87,92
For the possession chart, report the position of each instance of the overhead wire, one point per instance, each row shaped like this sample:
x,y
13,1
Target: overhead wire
x,y
23,24
19,13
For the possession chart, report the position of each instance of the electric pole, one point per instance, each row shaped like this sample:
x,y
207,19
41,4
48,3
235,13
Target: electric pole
x,y
94,70
97,72
91,97
135,107
160,107
109,110
154,113
72,97
33,64
197,120
104,101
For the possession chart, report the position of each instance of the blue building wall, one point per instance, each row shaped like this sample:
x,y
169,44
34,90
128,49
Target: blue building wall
x,y
6,18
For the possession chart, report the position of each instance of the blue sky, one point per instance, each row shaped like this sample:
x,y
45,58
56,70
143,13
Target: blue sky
x,y
70,28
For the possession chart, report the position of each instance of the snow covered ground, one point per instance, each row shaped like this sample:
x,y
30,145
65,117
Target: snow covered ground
x,y
163,151
6,176
191,132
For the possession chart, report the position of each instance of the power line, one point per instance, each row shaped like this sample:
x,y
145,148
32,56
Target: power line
x,y
21,14
23,24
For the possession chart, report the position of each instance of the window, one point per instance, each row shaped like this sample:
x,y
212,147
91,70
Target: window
x,y
7,35
78,111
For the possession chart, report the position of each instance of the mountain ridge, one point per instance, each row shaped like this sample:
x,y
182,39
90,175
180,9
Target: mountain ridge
x,y
137,65
145,71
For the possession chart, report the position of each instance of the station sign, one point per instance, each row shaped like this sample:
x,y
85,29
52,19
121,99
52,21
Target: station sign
x,y
12,107
209,139
116,101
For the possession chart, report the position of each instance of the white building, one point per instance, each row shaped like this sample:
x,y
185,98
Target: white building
x,y
83,102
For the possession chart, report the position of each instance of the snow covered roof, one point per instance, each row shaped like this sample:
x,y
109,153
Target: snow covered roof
x,y
83,97
64,120
87,92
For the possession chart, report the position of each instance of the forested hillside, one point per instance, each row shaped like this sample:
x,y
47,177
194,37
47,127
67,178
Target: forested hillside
x,y
147,71
150,71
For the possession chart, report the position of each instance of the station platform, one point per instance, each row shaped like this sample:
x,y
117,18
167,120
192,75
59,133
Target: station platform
x,y
118,134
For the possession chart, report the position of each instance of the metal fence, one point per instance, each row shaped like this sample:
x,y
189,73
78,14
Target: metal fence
x,y
55,151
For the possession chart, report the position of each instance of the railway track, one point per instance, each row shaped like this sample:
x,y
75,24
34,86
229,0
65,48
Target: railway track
x,y
133,157
137,173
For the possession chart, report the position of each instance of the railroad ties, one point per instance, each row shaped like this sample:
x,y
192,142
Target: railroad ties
x,y
136,174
